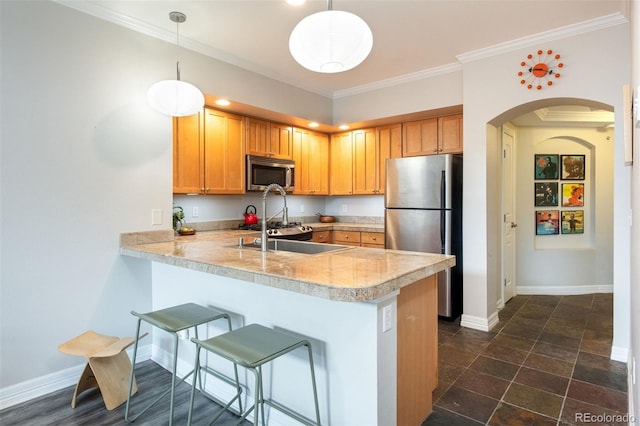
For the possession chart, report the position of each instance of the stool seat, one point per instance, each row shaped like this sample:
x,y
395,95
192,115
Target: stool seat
x,y
181,317
251,347
172,320
108,366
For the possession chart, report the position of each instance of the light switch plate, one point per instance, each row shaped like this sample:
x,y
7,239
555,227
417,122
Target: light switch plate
x,y
156,217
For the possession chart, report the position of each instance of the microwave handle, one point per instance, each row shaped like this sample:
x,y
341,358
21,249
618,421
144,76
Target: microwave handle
x,y
288,177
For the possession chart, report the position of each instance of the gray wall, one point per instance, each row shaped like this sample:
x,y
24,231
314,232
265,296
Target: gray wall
x,y
83,160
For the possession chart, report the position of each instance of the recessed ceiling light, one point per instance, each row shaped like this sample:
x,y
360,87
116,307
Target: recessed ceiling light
x,y
313,124
296,2
343,127
223,102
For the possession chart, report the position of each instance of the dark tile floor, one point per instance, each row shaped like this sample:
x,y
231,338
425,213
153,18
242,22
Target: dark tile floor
x,y
545,363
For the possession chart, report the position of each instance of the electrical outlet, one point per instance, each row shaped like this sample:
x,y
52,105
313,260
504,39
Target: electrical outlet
x,y
386,318
301,208
195,211
344,208
156,216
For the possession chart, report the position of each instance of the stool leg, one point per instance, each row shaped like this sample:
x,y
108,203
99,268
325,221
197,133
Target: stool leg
x,y
313,382
133,367
173,377
193,386
259,397
235,370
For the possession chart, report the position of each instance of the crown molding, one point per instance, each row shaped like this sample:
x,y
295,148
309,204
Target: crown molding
x,y
170,37
597,116
401,79
545,37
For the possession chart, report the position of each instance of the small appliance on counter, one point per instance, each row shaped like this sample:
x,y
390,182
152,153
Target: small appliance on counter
x,y
250,215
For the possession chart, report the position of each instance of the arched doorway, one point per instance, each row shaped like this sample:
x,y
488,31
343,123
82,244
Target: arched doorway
x,y
554,246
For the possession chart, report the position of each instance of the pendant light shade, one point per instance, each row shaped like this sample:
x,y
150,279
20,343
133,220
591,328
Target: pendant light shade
x,y
174,97
331,41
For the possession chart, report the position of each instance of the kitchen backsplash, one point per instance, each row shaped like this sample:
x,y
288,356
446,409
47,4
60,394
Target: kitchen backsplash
x,y
230,208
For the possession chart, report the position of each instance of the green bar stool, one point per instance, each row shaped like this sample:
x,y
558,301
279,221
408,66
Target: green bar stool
x,y
251,347
172,320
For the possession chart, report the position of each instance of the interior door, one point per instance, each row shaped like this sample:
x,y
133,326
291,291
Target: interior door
x,y
509,225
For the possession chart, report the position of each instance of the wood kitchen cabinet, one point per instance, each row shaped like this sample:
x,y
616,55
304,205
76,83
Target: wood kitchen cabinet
x,y
365,162
346,238
341,167
267,139
358,159
187,154
311,154
450,134
322,237
209,154
388,145
372,239
440,135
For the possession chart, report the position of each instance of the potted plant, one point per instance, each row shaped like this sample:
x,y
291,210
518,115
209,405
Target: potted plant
x,y
178,218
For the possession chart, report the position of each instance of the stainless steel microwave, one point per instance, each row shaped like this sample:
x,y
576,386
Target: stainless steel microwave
x,y
263,171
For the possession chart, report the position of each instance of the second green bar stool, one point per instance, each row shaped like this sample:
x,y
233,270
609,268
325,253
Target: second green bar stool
x,y
173,320
251,347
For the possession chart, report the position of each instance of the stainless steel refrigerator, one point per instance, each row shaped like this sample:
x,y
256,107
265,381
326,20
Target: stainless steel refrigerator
x,y
423,212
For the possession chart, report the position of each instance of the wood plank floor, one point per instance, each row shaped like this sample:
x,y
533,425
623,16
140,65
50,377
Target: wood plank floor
x,y
55,408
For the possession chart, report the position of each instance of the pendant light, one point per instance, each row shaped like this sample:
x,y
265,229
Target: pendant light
x,y
331,41
174,97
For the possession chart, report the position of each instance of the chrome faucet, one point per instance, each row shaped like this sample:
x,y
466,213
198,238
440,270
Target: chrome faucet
x,y
285,213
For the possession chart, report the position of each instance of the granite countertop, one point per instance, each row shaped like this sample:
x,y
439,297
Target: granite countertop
x,y
351,274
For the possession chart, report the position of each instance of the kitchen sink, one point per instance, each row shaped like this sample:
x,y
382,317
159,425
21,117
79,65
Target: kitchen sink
x,y
299,246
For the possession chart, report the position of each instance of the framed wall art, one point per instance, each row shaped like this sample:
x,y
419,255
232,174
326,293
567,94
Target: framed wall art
x,y
546,194
547,222
573,194
572,222
546,166
572,167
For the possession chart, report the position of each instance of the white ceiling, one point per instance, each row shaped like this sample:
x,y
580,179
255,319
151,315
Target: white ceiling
x,y
411,37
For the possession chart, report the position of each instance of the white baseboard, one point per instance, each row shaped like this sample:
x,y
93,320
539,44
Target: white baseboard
x,y
34,388
563,290
620,354
479,323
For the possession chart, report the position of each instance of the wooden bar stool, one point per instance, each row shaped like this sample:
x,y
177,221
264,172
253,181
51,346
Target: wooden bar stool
x,y
172,320
108,367
251,347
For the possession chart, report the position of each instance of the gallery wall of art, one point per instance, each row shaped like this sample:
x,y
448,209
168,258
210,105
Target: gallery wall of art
x,y
564,207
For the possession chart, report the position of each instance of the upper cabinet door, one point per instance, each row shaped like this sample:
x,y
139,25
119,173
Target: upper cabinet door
x,y
224,154
389,146
365,164
420,137
266,139
450,134
188,177
311,154
341,165
440,135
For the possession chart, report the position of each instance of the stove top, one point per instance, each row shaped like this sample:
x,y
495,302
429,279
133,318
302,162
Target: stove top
x,y
292,231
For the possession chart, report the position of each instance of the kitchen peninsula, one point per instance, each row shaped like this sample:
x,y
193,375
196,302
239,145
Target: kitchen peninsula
x,y
370,314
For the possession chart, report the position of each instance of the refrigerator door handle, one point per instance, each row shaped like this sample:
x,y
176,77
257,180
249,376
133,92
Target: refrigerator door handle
x,y
443,217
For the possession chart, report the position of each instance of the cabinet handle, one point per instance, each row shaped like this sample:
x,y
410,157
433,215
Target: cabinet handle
x,y
373,238
346,237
